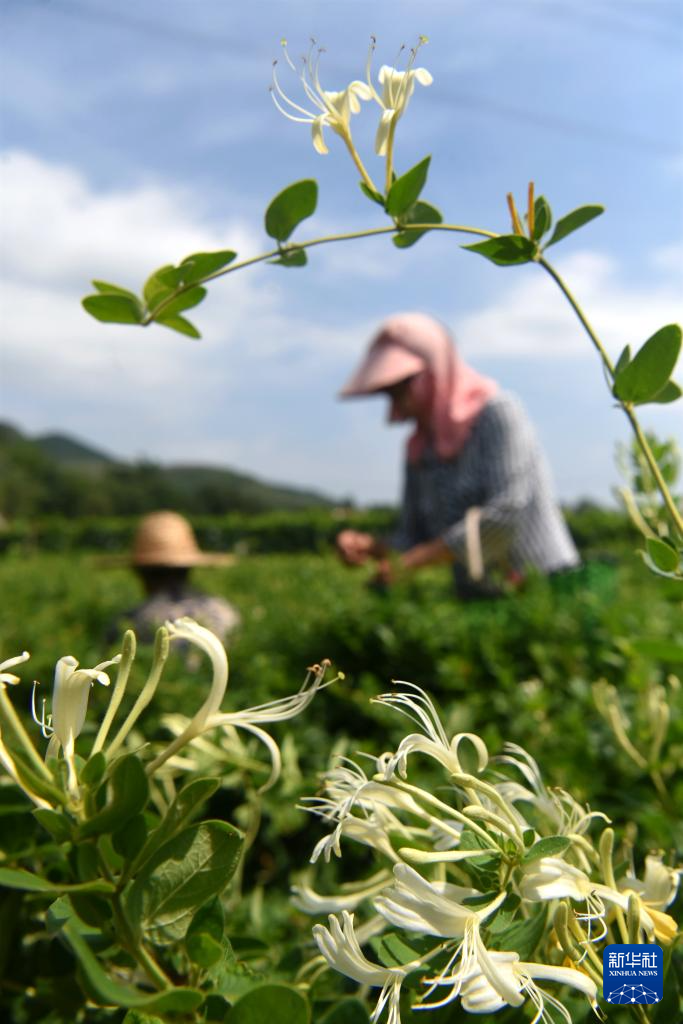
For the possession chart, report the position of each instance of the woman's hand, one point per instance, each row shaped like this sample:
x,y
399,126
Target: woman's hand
x,y
355,548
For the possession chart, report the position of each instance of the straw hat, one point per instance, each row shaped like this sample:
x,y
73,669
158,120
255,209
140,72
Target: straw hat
x,y
166,539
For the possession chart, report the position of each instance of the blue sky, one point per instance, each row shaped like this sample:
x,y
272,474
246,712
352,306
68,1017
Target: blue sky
x,y
137,132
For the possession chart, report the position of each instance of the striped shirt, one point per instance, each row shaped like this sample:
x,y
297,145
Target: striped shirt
x,y
502,471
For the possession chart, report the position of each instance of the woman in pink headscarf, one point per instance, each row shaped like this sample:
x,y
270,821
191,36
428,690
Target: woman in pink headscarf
x,y
477,491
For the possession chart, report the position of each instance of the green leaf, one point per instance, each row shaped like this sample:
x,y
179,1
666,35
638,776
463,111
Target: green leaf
x,y
573,221
87,862
406,190
662,650
419,213
113,309
17,878
271,1004
505,250
528,835
543,217
291,258
57,824
188,870
178,323
289,207
186,805
650,369
129,840
663,555
113,993
92,910
521,936
129,790
204,939
104,288
392,951
186,300
376,197
551,846
349,1011
94,769
623,360
161,283
200,264
671,392
138,1017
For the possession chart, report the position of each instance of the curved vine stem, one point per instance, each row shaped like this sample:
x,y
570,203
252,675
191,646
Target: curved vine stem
x,y
667,497
309,244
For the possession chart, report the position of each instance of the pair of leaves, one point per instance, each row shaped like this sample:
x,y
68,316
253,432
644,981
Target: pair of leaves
x,y
113,304
647,377
513,250
403,203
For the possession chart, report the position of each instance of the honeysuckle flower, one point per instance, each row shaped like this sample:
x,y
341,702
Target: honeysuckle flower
x,y
432,741
70,695
332,109
500,979
551,878
659,885
8,678
340,947
566,816
306,899
657,890
368,831
431,908
397,88
252,719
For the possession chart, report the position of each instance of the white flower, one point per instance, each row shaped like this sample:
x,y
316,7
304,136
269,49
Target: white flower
x,y
70,695
8,678
500,979
431,908
332,109
340,947
397,88
209,717
659,885
551,878
306,899
432,741
657,891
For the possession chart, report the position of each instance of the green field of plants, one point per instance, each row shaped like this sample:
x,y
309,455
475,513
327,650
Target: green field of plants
x,y
543,668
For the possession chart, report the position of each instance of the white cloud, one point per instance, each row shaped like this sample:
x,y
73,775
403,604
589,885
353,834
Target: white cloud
x,y
257,391
531,318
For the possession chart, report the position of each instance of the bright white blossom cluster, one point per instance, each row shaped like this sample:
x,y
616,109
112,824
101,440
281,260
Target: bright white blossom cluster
x,y
489,890
333,109
70,696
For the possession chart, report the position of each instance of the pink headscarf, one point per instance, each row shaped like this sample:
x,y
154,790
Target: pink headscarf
x,y
407,344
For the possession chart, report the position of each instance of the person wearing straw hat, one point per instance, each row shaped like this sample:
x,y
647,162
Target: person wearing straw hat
x,y
477,490
165,551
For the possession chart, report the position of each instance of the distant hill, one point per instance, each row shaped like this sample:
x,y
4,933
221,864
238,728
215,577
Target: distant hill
x,y
55,473
68,452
